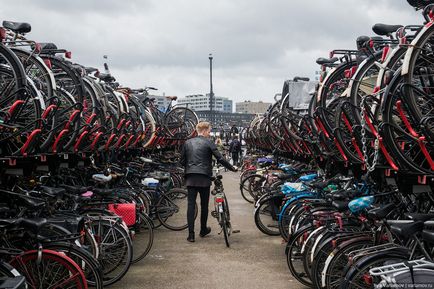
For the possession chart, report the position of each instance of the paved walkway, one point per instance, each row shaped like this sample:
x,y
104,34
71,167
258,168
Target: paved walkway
x,y
253,261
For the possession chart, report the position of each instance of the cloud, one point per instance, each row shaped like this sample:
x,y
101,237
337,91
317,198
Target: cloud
x,y
256,44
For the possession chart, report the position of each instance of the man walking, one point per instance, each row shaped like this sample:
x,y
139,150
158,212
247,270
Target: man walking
x,y
235,149
196,157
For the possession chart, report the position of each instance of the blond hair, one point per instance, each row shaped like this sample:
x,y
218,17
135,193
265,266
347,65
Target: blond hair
x,y
203,126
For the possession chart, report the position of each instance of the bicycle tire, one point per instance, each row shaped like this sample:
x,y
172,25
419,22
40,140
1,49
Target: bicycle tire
x,y
73,274
87,263
125,255
165,216
142,244
266,206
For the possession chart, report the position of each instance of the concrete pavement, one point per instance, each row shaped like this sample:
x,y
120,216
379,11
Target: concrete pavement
x,y
253,261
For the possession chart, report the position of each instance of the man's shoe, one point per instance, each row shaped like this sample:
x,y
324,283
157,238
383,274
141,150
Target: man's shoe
x,y
205,232
190,237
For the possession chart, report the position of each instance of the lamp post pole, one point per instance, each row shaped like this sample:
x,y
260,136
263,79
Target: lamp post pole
x,y
211,93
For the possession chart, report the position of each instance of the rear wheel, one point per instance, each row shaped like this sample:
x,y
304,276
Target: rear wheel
x,y
266,218
172,210
143,237
51,269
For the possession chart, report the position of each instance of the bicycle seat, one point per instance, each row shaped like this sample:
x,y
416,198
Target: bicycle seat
x,y
53,191
32,202
420,217
323,60
282,176
340,205
161,178
428,236
90,69
146,160
406,230
385,29
17,27
172,97
319,185
382,212
33,224
103,192
76,189
101,178
106,77
361,40
46,47
345,194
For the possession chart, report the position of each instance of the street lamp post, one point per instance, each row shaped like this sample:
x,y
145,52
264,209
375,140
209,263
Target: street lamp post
x,y
211,93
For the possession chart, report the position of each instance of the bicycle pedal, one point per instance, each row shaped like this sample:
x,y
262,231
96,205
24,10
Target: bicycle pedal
x,y
214,214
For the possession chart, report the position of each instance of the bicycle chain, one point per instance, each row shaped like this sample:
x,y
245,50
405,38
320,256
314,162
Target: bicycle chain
x,y
369,167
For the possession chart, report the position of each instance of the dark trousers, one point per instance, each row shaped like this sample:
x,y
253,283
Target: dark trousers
x,y
204,201
235,158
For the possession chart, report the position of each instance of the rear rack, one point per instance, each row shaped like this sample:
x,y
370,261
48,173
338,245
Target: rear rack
x,y
398,267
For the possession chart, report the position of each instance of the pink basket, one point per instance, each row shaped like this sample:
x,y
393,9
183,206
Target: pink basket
x,y
126,211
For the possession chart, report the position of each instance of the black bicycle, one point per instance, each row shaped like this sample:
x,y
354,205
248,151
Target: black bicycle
x,y
221,205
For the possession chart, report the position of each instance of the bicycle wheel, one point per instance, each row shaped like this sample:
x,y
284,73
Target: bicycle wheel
x,y
115,249
182,121
143,237
87,263
294,255
172,209
252,187
50,269
266,217
332,277
359,277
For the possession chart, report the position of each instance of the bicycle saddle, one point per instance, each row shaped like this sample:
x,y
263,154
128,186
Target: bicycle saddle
x,y
33,224
282,176
17,27
160,177
146,160
385,29
382,212
340,205
76,189
323,60
101,178
53,191
406,230
172,97
46,47
420,217
106,77
90,69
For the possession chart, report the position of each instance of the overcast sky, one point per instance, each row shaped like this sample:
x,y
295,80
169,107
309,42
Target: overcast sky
x,y
256,44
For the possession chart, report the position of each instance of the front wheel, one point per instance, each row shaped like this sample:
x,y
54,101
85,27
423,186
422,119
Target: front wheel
x,y
225,228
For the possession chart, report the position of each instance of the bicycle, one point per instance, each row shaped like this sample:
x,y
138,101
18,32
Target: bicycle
x,y
221,205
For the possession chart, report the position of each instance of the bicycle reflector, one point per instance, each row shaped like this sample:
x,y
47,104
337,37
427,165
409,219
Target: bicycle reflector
x,y
38,47
2,34
47,62
219,200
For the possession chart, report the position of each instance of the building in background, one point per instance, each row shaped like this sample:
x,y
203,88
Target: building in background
x,y
251,107
200,102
